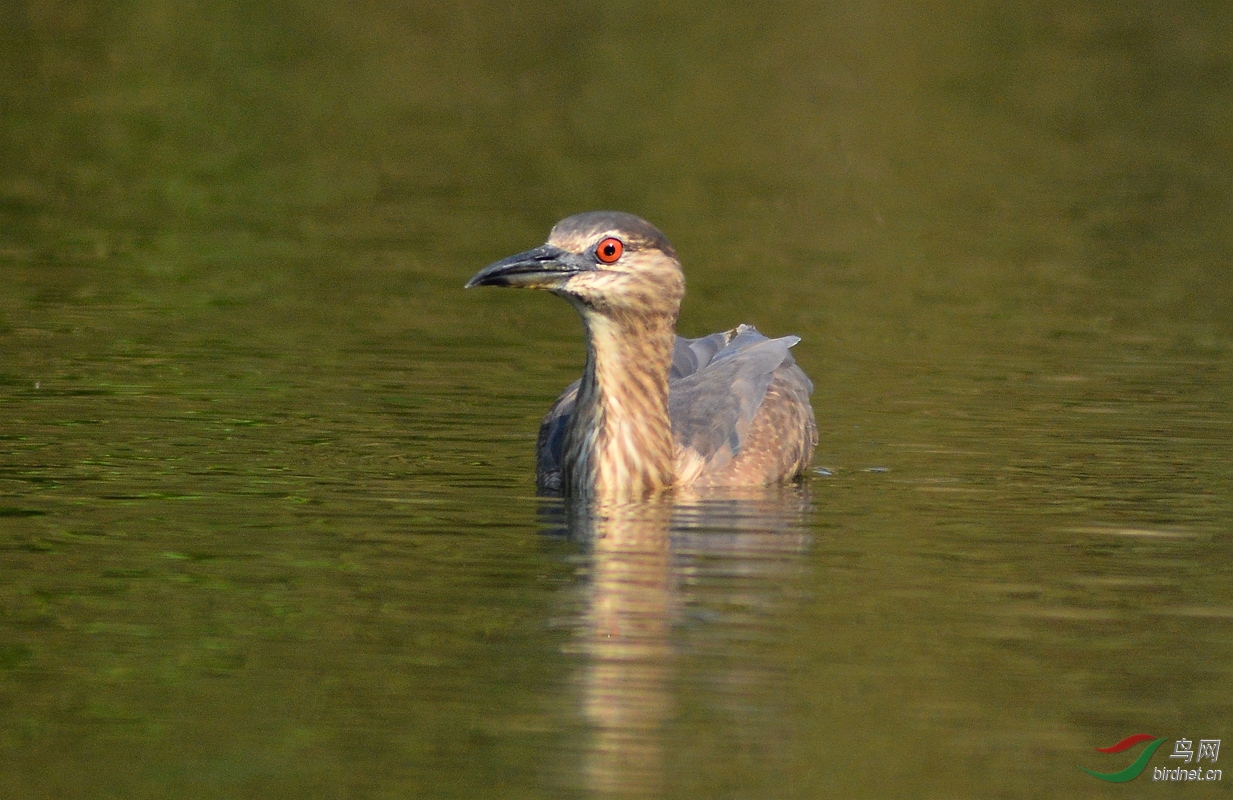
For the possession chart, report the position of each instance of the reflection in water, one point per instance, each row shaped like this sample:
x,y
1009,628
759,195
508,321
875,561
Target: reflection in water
x,y
627,626
642,558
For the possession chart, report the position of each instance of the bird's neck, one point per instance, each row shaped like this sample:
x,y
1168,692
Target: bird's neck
x,y
619,442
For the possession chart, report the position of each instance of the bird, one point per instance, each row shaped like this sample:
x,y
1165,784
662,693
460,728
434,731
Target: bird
x,y
654,412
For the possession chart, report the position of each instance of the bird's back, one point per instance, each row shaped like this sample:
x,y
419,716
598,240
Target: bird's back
x,y
739,408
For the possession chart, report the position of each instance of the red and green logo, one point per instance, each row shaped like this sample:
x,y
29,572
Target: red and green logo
x,y
1140,763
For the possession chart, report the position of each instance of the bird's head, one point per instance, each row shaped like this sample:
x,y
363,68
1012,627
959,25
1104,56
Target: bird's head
x,y
605,262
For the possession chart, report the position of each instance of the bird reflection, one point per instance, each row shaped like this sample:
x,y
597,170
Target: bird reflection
x,y
626,632
640,556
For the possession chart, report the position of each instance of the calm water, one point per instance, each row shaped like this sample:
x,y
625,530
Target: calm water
x,y
267,513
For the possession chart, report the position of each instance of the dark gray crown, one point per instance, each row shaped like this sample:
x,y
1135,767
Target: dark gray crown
x,y
635,232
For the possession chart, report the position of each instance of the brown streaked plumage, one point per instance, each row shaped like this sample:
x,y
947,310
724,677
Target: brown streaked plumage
x,y
653,410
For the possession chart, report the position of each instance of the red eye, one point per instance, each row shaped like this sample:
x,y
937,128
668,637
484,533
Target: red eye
x,y
609,250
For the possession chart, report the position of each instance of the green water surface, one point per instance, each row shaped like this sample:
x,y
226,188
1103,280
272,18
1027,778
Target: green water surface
x,y
267,515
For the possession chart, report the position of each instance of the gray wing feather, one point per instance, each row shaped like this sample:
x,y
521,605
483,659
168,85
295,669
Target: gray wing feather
x,y
551,441
712,408
690,355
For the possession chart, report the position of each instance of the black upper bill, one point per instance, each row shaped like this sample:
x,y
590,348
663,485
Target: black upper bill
x,y
545,266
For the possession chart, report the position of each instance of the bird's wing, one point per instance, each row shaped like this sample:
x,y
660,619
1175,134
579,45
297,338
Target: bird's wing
x,y
551,441
690,355
713,405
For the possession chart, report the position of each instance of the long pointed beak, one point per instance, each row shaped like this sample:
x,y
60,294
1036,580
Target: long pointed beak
x,y
545,267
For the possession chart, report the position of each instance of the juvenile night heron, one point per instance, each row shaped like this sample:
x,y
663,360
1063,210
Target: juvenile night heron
x,y
654,410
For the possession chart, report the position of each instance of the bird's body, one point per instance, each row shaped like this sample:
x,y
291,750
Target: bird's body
x,y
731,397
652,410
